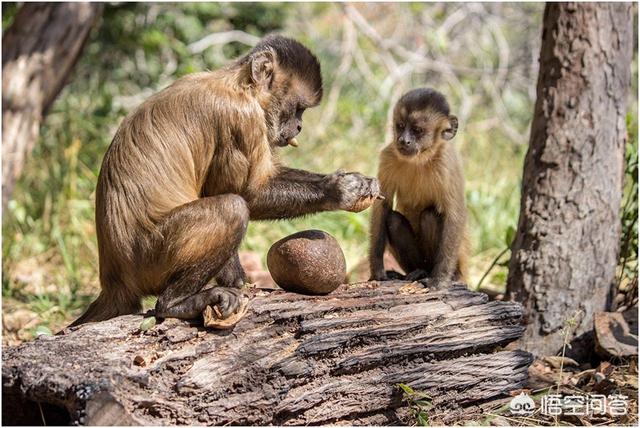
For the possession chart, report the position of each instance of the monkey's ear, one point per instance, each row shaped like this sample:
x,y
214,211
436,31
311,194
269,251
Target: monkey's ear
x,y
450,131
262,65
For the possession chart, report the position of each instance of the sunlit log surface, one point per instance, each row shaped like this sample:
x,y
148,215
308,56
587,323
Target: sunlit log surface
x,y
292,360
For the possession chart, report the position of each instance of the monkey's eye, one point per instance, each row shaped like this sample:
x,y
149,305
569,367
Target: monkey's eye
x,y
417,131
399,126
299,112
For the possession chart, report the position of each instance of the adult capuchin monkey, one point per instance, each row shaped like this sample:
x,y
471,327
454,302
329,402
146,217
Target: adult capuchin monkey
x,y
189,168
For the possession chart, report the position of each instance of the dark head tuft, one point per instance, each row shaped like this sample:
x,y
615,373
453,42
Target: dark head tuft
x,y
423,98
295,57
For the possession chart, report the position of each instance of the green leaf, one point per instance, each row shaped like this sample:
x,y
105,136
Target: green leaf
x,y
147,323
43,330
422,419
509,235
153,39
406,389
425,403
504,263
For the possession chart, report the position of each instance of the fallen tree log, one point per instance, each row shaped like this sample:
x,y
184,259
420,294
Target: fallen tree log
x,y
292,359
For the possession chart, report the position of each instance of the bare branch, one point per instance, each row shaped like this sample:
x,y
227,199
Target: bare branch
x,y
222,39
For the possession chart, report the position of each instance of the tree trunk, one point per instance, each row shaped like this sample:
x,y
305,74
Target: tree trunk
x,y
38,52
292,359
565,252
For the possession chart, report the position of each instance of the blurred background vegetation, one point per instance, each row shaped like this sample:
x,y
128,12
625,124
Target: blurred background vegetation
x,y
483,57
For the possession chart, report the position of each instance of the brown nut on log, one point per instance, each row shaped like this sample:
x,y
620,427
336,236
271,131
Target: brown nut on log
x,y
307,262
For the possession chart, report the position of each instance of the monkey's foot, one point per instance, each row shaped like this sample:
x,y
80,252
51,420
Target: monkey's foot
x,y
416,275
213,316
393,275
436,283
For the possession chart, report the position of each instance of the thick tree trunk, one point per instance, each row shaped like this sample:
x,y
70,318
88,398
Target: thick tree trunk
x,y
38,52
291,360
565,252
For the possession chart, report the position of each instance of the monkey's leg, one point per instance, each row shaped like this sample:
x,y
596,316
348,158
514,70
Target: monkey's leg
x,y
378,238
403,244
232,274
200,239
447,256
430,236
395,275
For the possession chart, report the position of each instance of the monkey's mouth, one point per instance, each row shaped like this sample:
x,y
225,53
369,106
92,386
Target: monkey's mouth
x,y
407,151
283,142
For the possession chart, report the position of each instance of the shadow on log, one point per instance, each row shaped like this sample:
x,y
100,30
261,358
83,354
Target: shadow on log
x,y
292,360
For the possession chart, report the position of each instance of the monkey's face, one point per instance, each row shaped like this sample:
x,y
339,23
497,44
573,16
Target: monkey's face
x,y
291,107
286,87
290,122
418,132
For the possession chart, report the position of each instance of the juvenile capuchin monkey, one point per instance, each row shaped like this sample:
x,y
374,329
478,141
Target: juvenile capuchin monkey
x,y
189,168
421,169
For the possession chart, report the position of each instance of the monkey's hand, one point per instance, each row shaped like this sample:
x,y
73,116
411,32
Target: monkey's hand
x,y
352,191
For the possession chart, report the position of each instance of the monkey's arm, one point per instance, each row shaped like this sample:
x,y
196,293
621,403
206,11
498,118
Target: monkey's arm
x,y
293,192
378,235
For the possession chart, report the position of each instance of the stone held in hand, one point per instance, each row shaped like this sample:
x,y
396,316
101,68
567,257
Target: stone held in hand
x,y
307,262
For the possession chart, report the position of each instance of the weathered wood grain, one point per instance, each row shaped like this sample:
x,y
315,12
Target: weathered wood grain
x,y
292,360
565,253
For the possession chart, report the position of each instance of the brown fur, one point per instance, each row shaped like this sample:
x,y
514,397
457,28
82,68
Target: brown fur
x,y
207,134
187,170
431,179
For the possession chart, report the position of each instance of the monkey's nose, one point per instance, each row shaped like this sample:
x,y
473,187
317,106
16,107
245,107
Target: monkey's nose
x,y
299,128
404,142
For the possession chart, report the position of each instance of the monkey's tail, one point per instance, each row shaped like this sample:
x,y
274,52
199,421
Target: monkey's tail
x,y
107,306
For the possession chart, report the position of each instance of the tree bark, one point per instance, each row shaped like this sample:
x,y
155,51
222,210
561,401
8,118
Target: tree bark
x,y
565,252
292,359
38,52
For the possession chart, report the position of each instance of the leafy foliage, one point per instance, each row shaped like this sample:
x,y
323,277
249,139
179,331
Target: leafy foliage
x,y
8,13
419,403
629,213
